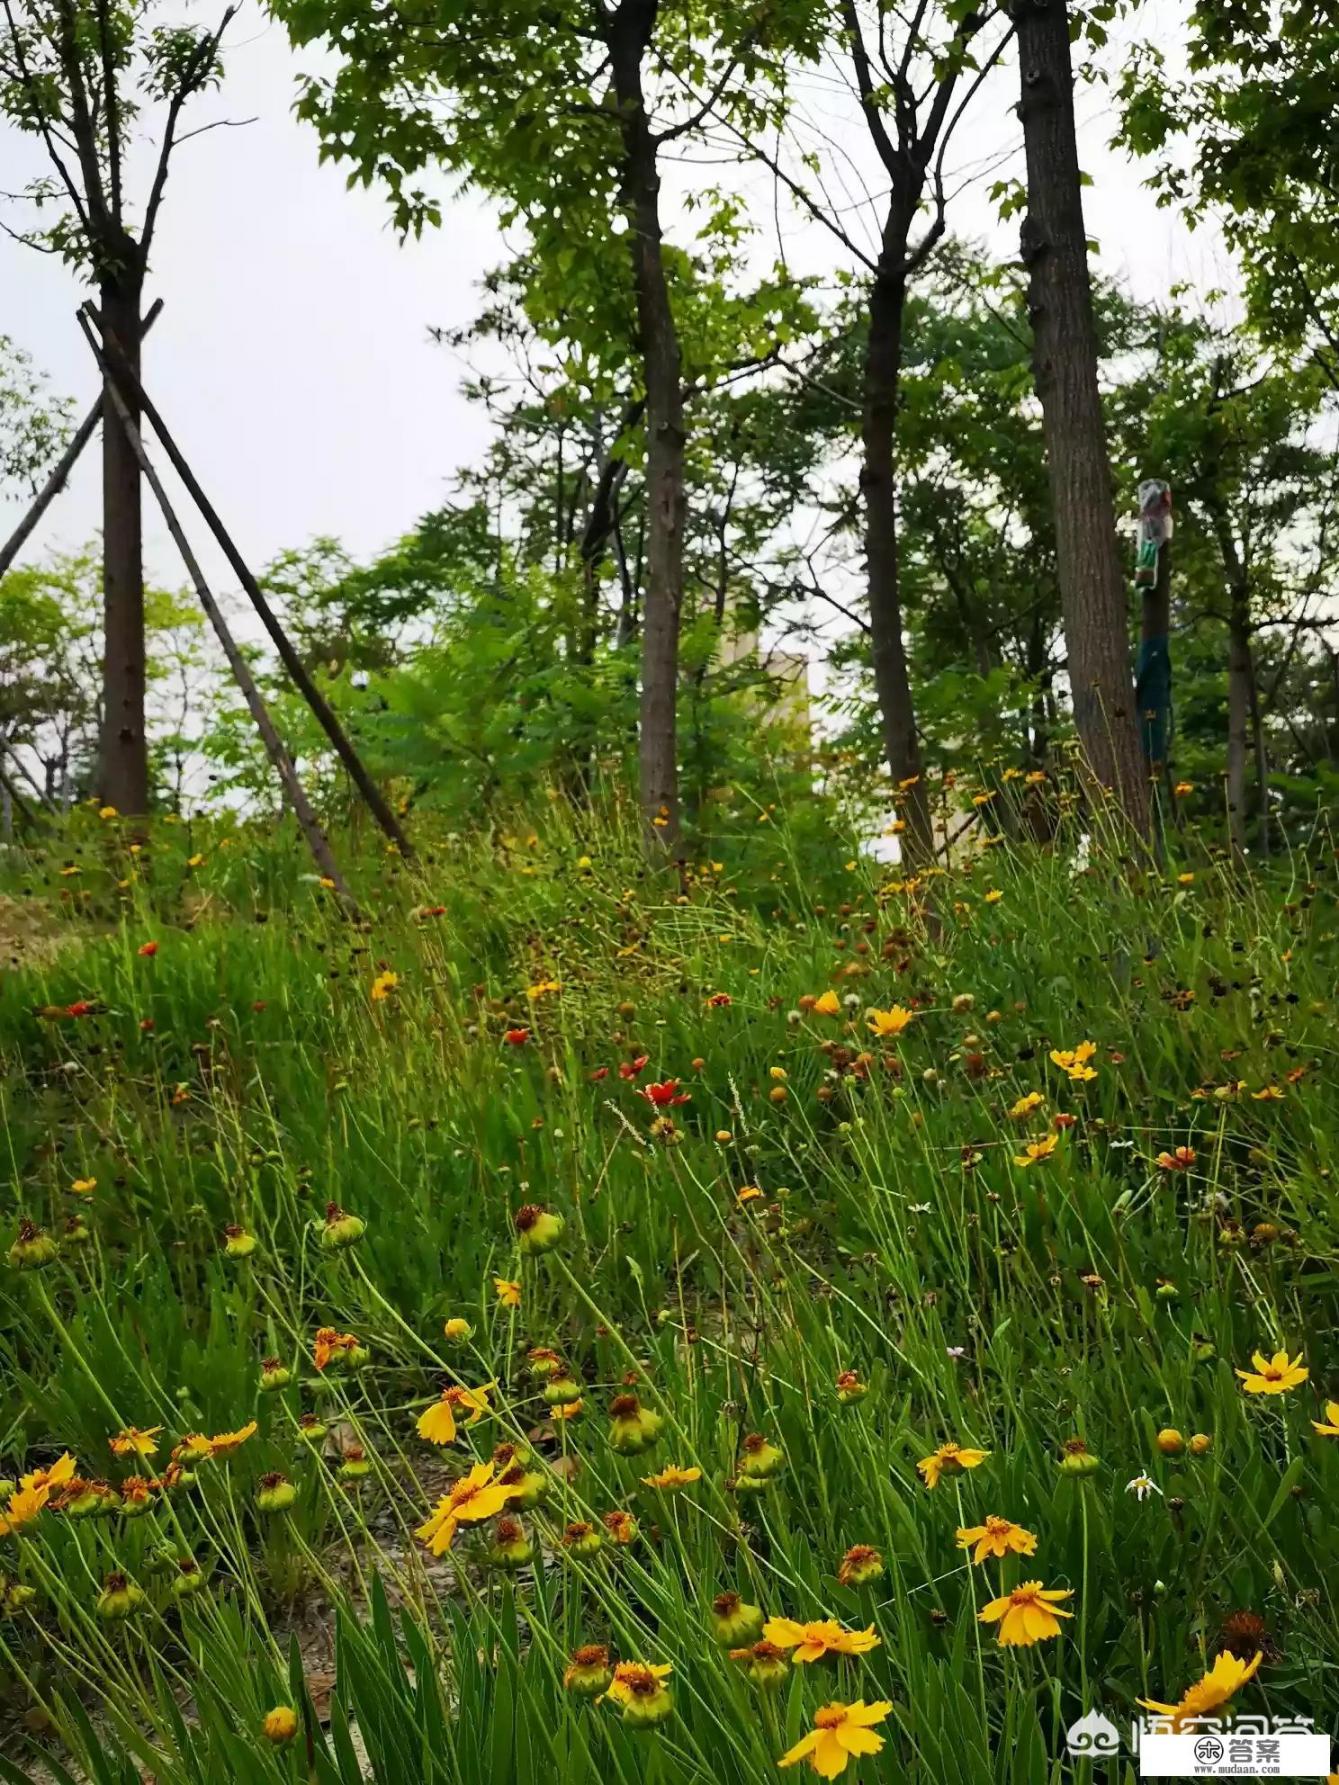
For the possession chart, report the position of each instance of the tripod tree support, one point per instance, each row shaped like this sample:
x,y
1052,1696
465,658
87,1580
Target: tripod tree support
x,y
123,374
64,465
1153,667
308,822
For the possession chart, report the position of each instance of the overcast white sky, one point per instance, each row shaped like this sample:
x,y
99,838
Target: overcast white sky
x,y
293,358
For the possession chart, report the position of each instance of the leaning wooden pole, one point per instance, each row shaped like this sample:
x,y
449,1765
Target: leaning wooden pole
x,y
325,714
64,465
308,822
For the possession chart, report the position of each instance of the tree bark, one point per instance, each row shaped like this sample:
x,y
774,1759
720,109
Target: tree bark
x,y
1239,678
124,767
629,35
1054,249
878,486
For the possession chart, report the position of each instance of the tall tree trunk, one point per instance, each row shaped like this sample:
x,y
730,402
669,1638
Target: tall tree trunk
x,y
666,498
883,372
1239,679
124,766
1054,249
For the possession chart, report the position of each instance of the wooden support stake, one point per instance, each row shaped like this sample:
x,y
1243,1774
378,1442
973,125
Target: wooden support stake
x,y
325,714
310,826
66,463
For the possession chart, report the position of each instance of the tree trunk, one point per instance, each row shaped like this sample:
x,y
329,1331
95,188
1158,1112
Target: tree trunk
x,y
1239,678
878,486
1054,249
124,765
666,497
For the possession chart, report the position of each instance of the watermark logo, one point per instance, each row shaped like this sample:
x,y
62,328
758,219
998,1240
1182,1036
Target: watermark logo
x,y
1093,1735
1241,1748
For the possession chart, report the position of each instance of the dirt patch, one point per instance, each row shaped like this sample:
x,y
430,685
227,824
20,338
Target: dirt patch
x,y
29,934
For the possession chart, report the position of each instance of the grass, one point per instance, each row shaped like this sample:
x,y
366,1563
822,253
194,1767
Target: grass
x,y
244,1076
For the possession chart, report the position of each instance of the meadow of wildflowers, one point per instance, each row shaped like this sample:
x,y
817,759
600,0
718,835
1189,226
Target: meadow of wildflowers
x,y
585,1323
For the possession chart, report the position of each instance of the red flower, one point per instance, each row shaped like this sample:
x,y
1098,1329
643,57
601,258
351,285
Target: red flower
x,y
1062,1120
148,950
631,1068
516,1037
146,1025
665,1095
719,1000
599,1073
80,1007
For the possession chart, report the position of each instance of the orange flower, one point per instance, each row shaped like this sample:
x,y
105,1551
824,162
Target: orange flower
x,y
840,1732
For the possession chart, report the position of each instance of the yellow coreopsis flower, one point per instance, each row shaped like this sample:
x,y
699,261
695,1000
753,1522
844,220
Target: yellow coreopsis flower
x,y
1026,1104
1273,1375
1037,1152
474,1497
57,1475
820,1637
383,986
437,1425
949,1459
1067,1058
890,1022
1029,1614
671,1478
1330,1430
998,1537
22,1509
508,1292
223,1442
827,1004
134,1442
840,1732
1224,1679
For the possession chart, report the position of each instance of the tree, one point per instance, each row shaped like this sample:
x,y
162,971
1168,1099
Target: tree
x,y
76,75
33,424
592,92
1055,251
1251,136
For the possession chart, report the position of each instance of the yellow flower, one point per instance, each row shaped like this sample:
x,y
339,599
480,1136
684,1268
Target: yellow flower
x,y
820,1637
194,861
638,1689
474,1497
1029,1614
671,1477
1224,1679
23,1508
949,1459
134,1442
105,812
438,1424
1067,1058
840,1731
1268,1094
997,1537
828,1004
383,985
1026,1105
84,1186
884,1023
1331,1430
60,1472
280,1725
1037,1152
508,1292
542,989
1274,1375
222,1442
994,896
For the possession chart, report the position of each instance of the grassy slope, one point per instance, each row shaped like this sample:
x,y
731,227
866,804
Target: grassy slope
x,y
1009,1307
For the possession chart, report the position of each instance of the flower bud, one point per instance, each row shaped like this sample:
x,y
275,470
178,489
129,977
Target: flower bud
x,y
735,1623
1170,1442
275,1493
632,1428
764,1665
280,1725
1077,1459
237,1242
458,1331
33,1248
588,1672
511,1548
274,1375
341,1230
537,1228
1200,1444
759,1459
119,1598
